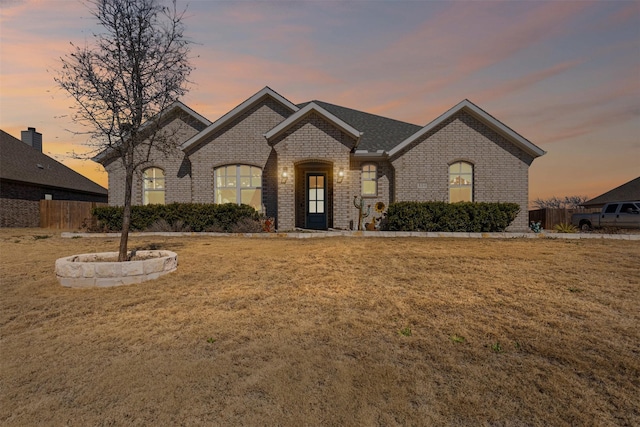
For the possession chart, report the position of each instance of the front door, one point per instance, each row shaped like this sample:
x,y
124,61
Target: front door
x,y
316,201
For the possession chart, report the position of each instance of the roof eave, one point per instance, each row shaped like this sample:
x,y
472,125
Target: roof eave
x,y
483,116
308,109
228,117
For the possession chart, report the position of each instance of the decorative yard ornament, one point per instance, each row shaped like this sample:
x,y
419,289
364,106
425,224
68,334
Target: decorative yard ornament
x,y
361,214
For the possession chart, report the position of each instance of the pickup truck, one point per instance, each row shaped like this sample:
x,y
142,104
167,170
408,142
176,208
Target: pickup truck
x,y
618,214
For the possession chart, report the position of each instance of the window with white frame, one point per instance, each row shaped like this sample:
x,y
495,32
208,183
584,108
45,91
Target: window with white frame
x,y
153,186
369,180
239,184
460,182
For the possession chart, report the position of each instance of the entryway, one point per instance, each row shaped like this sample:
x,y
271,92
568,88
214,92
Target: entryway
x,y
314,195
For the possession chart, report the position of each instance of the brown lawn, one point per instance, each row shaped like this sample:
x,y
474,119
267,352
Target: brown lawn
x,y
331,332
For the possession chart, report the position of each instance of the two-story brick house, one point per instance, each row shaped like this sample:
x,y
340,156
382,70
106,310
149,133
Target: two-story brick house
x,y
303,164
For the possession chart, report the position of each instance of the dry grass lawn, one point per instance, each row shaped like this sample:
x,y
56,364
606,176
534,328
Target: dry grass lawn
x,y
325,332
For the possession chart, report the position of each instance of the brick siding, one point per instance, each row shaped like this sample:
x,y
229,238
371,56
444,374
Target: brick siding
x,y
314,140
500,169
419,172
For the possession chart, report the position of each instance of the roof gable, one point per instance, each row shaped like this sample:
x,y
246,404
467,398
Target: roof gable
x,y
237,111
304,112
627,192
378,133
21,163
485,118
108,153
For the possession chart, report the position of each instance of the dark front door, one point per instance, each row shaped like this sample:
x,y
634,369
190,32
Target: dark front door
x,y
316,201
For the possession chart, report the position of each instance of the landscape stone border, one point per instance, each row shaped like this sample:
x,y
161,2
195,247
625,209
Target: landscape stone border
x,y
344,233
85,270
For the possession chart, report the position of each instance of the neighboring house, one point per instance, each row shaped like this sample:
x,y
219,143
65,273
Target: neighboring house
x,y
28,176
627,192
303,164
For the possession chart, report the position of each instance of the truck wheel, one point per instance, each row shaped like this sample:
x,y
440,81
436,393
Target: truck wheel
x,y
585,226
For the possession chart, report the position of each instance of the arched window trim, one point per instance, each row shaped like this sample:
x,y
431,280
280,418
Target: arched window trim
x,y
464,180
153,186
369,176
230,180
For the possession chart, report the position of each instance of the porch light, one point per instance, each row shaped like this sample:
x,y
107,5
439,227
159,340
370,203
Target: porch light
x,y
284,176
340,174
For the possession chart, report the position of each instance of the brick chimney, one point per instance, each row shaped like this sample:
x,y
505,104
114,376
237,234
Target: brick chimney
x,y
32,138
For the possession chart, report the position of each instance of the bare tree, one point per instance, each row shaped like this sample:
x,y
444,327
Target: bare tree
x,y
137,66
568,202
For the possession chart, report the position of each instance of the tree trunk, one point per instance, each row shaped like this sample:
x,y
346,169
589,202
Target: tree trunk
x,y
126,216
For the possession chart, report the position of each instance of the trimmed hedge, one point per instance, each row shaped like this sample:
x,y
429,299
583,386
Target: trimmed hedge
x,y
196,216
460,217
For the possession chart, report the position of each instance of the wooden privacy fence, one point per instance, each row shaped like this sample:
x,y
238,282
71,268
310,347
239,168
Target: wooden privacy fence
x,y
66,214
549,218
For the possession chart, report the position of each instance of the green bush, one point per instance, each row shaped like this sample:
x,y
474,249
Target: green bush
x,y
460,217
194,216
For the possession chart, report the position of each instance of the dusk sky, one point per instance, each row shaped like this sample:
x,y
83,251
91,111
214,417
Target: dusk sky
x,y
563,74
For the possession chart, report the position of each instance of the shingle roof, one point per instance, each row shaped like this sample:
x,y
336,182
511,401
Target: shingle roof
x,y
379,133
627,192
22,163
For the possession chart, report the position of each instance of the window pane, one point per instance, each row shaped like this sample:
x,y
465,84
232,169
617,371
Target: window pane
x,y
256,177
320,194
611,208
369,187
226,196
465,168
312,206
154,197
320,206
252,198
320,182
312,194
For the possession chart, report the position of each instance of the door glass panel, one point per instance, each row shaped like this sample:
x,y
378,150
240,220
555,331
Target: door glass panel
x,y
320,194
320,206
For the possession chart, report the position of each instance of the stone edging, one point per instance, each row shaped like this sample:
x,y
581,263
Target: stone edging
x,y
85,271
323,234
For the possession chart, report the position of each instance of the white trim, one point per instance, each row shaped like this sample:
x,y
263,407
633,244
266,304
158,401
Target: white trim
x,y
313,107
189,111
486,118
267,91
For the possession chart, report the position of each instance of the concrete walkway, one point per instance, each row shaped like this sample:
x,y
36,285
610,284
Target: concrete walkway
x,y
378,234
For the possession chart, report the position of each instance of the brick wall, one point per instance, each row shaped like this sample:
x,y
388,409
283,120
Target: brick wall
x,y
385,181
241,141
177,167
312,140
500,170
19,213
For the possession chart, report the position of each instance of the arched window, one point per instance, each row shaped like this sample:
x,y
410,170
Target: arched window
x,y
460,182
153,186
239,184
369,180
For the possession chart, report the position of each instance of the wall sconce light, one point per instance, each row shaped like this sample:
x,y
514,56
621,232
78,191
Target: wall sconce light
x,y
284,176
340,174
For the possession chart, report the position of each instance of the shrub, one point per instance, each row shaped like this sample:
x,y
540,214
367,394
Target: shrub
x,y
448,217
247,225
565,228
183,216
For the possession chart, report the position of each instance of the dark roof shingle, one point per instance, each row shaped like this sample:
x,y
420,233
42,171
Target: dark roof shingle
x,y
627,192
379,133
22,163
